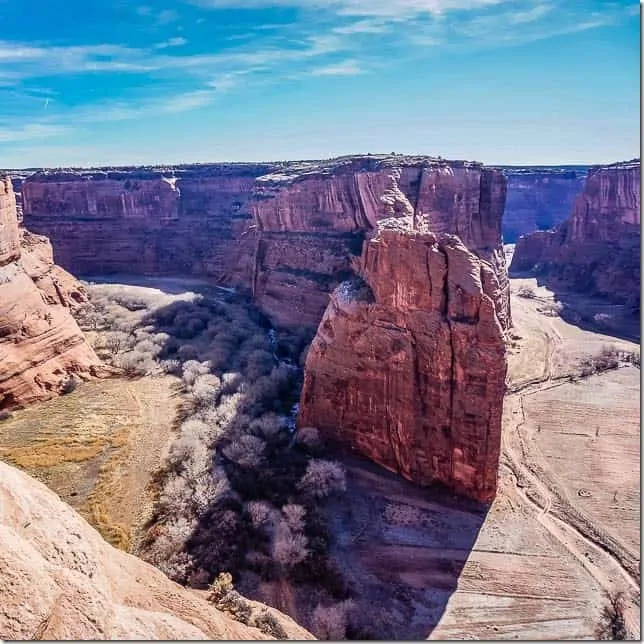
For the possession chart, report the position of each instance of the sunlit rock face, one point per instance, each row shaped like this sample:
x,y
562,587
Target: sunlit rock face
x,y
40,343
408,365
597,249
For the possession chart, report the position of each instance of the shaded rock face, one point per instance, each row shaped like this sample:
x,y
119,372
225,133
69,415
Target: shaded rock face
x,y
408,364
146,223
539,198
597,250
288,232
60,580
40,343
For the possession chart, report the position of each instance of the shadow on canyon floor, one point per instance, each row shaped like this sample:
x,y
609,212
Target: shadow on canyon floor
x,y
590,313
402,548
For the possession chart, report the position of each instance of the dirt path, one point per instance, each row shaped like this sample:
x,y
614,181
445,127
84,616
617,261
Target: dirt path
x,y
601,553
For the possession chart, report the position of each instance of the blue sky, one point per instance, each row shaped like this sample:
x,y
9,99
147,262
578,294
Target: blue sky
x,y
93,82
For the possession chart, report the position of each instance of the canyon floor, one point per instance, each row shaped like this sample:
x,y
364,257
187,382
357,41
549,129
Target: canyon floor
x,y
562,533
97,448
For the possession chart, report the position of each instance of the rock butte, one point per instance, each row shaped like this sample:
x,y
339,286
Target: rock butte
x,y
40,343
60,580
408,364
597,250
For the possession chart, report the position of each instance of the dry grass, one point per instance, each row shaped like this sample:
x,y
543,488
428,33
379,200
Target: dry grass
x,y
97,447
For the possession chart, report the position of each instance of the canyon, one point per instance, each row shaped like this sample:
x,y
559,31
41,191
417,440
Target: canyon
x,y
288,237
284,232
41,346
597,249
539,197
60,580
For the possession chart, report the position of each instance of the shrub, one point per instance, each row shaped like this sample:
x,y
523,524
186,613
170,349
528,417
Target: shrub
x,y
527,292
323,478
246,451
612,624
331,622
289,548
268,624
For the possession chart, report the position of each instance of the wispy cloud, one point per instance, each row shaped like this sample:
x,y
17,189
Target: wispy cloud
x,y
30,132
178,41
345,68
374,8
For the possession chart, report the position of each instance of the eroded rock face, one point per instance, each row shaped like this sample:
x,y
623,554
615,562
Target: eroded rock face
x,y
287,232
597,250
312,219
187,223
539,198
60,580
408,364
40,343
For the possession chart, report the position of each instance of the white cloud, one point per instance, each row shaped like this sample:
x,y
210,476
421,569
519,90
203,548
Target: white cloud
x,y
345,68
171,42
30,132
374,8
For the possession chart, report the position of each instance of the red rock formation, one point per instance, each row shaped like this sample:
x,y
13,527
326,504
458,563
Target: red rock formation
x,y
408,367
147,222
60,580
40,343
288,232
539,198
597,250
312,217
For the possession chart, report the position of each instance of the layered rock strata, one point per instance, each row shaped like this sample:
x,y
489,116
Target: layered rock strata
x,y
597,250
40,343
539,198
59,580
408,364
287,232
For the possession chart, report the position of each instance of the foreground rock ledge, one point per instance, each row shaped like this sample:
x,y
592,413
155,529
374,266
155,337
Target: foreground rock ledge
x,y
60,580
408,365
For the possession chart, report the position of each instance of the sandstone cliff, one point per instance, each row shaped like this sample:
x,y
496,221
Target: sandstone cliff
x,y
312,217
40,343
539,198
60,580
408,366
287,232
597,250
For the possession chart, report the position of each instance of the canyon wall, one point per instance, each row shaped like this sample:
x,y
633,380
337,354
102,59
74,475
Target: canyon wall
x,y
539,198
287,232
40,343
408,365
60,580
596,250
149,222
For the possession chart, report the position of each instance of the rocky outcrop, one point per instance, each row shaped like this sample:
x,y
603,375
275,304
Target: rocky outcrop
x,y
40,343
312,218
287,232
539,198
597,250
60,580
408,364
